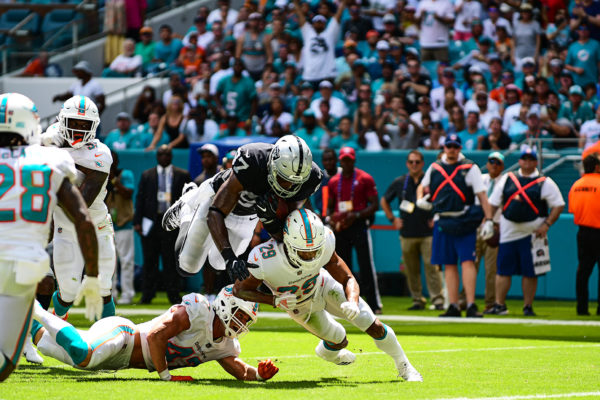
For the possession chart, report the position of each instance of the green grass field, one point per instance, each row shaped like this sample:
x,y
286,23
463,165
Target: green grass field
x,y
467,360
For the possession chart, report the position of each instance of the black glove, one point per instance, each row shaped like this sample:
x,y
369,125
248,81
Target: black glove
x,y
236,267
266,207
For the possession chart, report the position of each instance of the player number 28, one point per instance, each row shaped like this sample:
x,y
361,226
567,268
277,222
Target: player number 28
x,y
35,179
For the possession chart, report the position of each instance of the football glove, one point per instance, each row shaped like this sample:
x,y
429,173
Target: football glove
x,y
266,370
286,301
237,268
90,290
266,207
350,310
424,204
487,230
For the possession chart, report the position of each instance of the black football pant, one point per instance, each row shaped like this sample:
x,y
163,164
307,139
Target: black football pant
x,y
588,254
358,237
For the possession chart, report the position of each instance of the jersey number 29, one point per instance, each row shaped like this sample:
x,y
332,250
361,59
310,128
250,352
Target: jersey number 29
x,y
35,200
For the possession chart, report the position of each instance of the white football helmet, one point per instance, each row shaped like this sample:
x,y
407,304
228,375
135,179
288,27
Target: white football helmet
x,y
226,306
304,238
290,160
19,115
78,120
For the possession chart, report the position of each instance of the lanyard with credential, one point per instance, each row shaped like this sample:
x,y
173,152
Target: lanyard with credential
x,y
405,187
339,189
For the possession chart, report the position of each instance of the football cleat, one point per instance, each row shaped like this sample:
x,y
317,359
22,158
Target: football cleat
x,y
409,373
344,357
31,353
171,219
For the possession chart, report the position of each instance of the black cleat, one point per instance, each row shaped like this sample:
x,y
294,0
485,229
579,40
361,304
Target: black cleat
x,y
473,312
452,311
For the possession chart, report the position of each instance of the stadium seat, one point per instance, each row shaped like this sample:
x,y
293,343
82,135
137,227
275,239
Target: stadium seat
x,y
11,18
431,67
55,20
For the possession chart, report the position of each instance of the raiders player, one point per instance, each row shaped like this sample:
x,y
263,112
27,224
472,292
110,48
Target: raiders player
x,y
217,219
294,271
75,132
188,334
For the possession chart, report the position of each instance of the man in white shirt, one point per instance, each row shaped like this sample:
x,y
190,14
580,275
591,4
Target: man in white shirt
x,y
223,13
530,203
337,107
436,17
126,63
320,38
495,20
85,86
590,131
438,95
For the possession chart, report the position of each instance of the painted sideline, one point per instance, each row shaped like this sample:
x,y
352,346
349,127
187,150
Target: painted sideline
x,y
532,396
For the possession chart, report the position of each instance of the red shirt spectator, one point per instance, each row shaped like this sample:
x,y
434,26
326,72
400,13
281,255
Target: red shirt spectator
x,y
356,189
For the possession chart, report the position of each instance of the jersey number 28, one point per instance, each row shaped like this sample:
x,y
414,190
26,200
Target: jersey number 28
x,y
35,200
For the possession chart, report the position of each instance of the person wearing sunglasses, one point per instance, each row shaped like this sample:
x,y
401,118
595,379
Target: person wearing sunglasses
x,y
415,226
449,188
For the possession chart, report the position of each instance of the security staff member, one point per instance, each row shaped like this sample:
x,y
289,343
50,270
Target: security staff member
x,y
584,203
452,184
415,226
352,202
526,198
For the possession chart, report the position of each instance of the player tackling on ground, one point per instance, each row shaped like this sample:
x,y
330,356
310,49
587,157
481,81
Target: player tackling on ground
x,y
32,180
312,283
188,334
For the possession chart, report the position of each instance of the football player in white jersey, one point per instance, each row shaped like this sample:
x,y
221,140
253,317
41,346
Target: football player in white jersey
x,y
33,180
188,334
75,132
312,283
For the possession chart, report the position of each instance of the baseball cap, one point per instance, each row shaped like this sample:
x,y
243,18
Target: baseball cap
x,y
496,155
533,112
255,15
123,115
211,148
349,43
389,18
305,85
527,60
199,19
512,86
275,85
382,45
145,29
526,7
347,152
83,66
325,84
453,139
576,89
372,33
474,69
308,113
528,151
556,62
448,72
319,18
485,41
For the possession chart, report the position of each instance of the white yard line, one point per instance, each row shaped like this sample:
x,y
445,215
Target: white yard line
x,y
532,396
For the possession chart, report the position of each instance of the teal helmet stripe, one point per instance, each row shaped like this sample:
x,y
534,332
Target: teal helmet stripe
x,y
307,227
3,112
82,104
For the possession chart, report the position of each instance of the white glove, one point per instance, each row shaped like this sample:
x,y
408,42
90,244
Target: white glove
x,y
90,289
350,310
487,230
286,301
424,204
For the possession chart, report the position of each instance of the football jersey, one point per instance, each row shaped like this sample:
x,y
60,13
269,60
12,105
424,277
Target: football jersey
x,y
31,176
195,345
250,166
94,155
276,271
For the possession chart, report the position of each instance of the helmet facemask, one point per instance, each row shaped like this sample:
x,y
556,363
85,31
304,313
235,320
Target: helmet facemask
x,y
236,314
78,131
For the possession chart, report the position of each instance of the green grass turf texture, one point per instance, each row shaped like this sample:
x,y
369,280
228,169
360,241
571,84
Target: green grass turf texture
x,y
456,360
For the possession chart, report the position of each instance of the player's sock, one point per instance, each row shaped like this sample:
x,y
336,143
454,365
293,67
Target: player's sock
x,y
108,310
325,352
35,327
44,300
48,347
389,345
64,334
59,309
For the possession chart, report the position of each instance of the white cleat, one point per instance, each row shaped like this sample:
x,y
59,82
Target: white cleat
x,y
31,353
409,373
344,357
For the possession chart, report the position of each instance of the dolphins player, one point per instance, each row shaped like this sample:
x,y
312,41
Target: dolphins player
x,y
312,283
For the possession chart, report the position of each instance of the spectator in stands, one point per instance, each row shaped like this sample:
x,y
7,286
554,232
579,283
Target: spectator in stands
x,y
217,45
352,203
119,200
583,57
209,154
559,31
586,12
472,135
145,48
438,94
413,85
467,12
584,203
167,48
327,121
145,104
345,136
205,37
126,64
424,110
159,187
171,123
457,121
135,12
496,139
318,52
415,226
530,203
435,18
277,114
41,66
337,107
147,131
123,137
452,197
436,138
363,121
576,109
527,36
559,128
236,93
176,87
491,24
254,47
191,56
197,127
223,13
590,131
231,127
315,137
115,27
361,24
85,86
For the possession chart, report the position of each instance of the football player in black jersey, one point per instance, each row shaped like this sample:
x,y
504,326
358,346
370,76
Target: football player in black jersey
x,y
218,218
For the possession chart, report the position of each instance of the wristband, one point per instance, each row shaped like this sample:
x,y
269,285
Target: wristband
x,y
227,254
166,376
258,377
547,223
217,210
